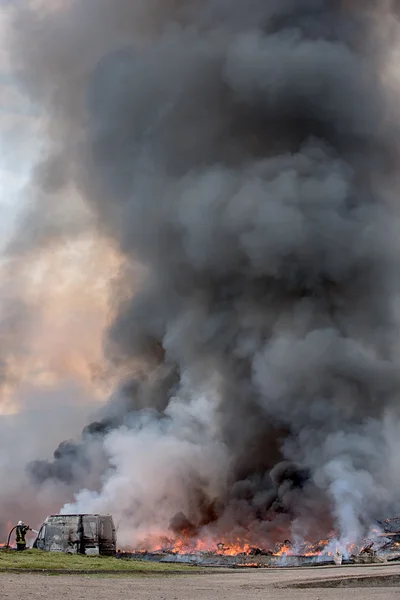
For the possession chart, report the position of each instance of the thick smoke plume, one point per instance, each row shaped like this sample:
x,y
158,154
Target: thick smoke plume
x,y
245,154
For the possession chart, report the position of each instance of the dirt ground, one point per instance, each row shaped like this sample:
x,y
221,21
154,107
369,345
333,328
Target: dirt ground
x,y
368,583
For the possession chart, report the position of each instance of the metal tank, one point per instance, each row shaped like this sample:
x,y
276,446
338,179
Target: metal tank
x,y
78,534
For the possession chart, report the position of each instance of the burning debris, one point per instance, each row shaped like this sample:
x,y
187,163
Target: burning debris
x,y
284,554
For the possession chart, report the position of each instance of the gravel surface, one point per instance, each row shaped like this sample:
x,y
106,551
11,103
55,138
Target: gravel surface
x,y
371,583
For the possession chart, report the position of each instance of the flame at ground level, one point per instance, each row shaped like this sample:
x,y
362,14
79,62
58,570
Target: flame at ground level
x,y
331,547
232,549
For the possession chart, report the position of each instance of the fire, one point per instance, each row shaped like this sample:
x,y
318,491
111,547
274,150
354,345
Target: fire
x,y
229,548
186,546
284,550
330,548
233,549
322,549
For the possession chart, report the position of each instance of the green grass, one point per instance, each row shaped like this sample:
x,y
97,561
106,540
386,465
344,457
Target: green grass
x,y
59,563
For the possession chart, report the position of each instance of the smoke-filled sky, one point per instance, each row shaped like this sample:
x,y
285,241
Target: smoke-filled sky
x,y
53,309
208,238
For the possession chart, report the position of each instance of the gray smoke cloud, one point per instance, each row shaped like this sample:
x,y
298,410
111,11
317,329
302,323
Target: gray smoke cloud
x,y
245,154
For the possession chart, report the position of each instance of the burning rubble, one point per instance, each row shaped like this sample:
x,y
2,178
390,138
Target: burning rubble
x,y
245,153
383,546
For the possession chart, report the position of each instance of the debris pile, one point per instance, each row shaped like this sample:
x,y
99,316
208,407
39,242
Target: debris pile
x,y
384,547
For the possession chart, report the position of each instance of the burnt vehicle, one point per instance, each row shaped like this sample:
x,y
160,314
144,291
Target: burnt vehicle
x,y
78,534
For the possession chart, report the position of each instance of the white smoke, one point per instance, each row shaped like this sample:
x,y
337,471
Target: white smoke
x,y
152,465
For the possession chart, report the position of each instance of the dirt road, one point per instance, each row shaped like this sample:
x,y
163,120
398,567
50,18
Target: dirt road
x,y
368,583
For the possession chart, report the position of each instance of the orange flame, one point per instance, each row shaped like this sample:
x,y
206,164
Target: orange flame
x,y
185,545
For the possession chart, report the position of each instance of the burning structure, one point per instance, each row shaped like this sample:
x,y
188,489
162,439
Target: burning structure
x,y
245,153
383,546
78,534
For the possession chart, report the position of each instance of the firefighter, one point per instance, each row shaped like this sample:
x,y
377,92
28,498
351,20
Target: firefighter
x,y
20,533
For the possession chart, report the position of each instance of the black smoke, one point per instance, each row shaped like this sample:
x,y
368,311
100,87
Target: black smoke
x,y
245,153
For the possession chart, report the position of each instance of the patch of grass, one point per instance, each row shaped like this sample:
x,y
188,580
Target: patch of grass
x,y
59,563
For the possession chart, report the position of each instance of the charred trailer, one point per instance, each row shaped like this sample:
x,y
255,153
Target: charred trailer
x,y
78,534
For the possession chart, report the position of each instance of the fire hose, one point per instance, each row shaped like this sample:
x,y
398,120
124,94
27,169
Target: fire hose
x,y
10,534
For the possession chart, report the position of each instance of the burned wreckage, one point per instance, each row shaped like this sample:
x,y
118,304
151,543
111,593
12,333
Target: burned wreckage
x,y
382,547
78,534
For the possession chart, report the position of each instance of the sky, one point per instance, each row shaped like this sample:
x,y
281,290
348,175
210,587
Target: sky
x,y
50,355
19,137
